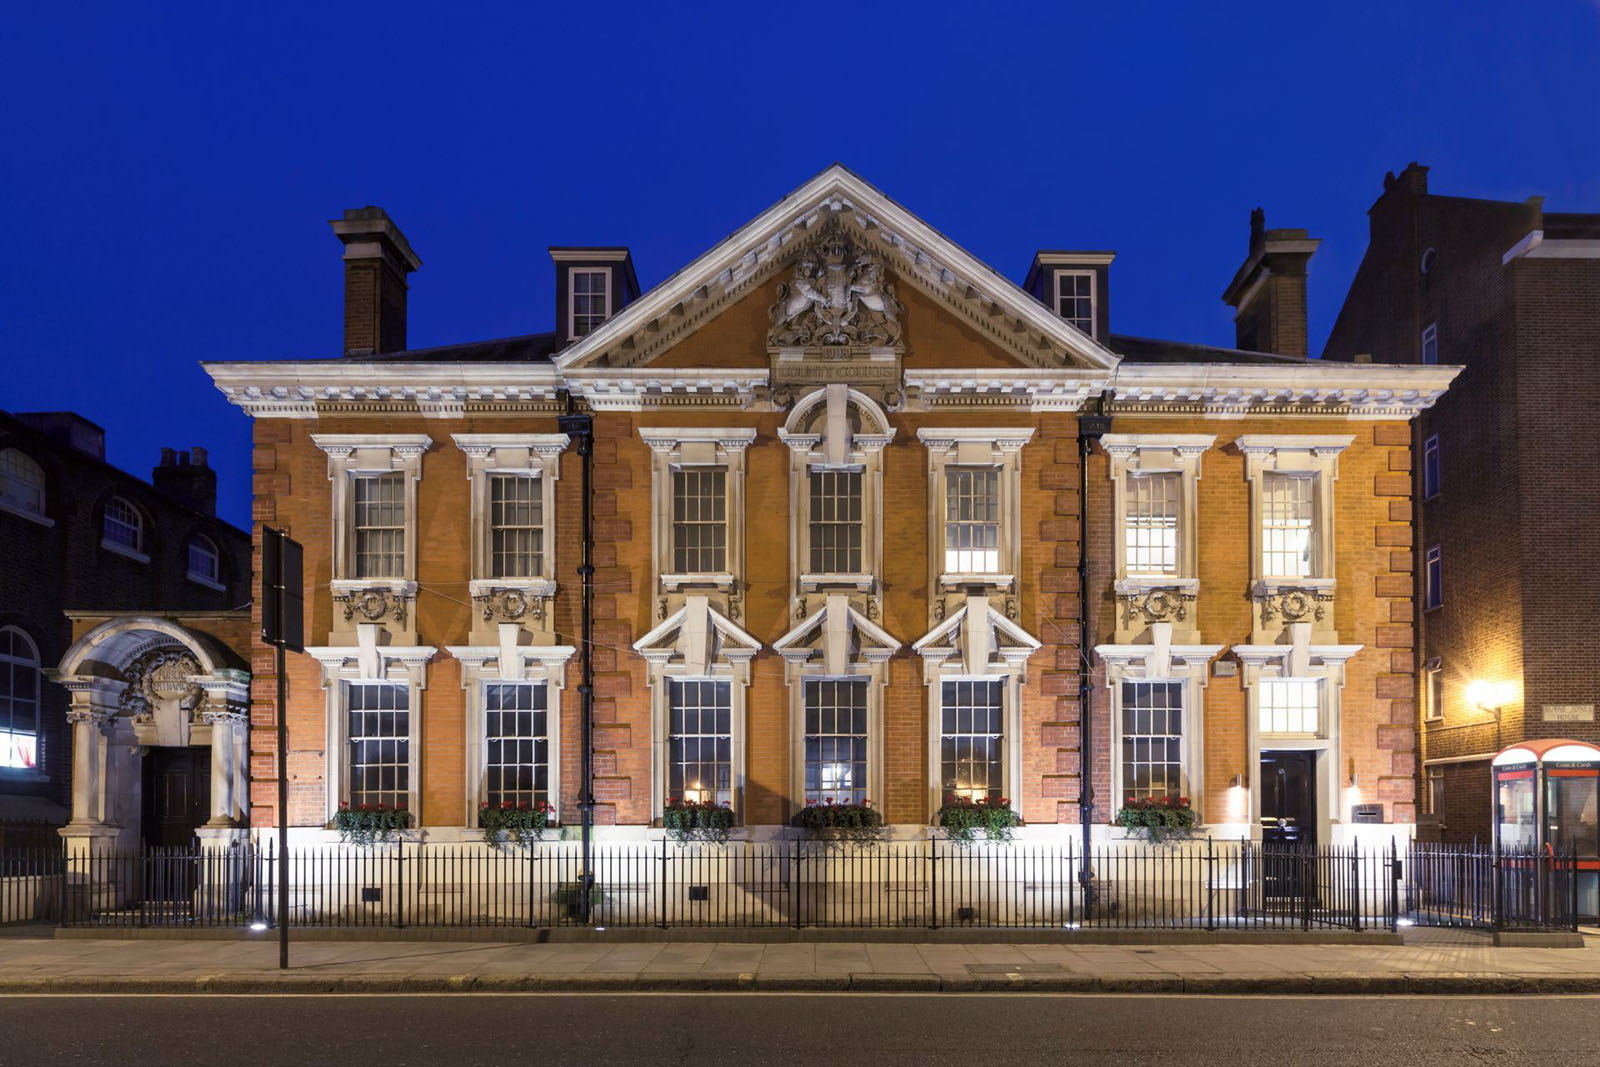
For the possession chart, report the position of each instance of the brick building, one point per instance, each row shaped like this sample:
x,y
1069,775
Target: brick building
x,y
1511,292
837,512
81,540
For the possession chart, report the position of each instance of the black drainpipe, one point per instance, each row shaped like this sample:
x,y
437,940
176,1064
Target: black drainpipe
x,y
1091,427
580,427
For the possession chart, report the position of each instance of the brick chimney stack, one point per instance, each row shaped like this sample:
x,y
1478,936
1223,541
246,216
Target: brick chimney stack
x,y
1268,294
377,259
187,477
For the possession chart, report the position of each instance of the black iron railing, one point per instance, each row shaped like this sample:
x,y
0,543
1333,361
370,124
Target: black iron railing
x,y
1194,885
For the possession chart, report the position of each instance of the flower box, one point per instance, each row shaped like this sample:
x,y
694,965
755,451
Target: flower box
x,y
522,823
964,819
857,823
365,825
1157,819
690,820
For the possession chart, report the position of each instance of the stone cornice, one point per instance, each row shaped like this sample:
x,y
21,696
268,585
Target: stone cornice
x,y
1004,438
1030,390
1312,387
636,390
305,389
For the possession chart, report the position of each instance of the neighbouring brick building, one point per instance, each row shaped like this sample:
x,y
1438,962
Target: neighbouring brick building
x,y
1507,560
81,540
837,498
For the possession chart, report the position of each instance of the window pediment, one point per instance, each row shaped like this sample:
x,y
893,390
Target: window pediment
x,y
975,640
836,639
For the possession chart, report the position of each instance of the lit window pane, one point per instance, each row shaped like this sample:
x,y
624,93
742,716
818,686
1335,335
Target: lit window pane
x,y
516,732
972,520
380,525
1286,525
516,526
836,741
19,700
700,741
1151,532
1291,706
972,739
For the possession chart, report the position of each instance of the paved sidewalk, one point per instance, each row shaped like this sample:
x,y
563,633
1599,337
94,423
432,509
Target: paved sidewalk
x,y
1429,962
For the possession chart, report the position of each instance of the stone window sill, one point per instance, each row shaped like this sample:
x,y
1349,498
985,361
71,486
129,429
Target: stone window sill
x,y
32,516
209,583
123,550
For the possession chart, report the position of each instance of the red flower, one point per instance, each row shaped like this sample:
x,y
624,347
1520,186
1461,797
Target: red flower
x,y
344,805
828,799
522,805
400,805
505,805
483,805
1184,801
1004,800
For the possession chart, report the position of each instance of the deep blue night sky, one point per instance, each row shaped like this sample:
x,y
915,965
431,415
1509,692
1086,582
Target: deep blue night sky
x,y
166,176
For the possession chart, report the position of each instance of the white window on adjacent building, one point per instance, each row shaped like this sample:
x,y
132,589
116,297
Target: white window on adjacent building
x,y
379,731
972,520
1075,298
380,525
699,520
1430,343
1288,525
1290,707
205,562
1433,689
588,299
1150,527
21,482
836,740
19,700
700,741
1433,794
122,527
1430,467
1152,739
517,744
1433,579
836,526
972,738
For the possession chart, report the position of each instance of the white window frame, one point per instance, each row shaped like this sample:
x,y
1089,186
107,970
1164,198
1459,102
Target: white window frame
x,y
819,437
1430,448
696,643
1316,456
1143,454
976,643
974,446
136,551
18,469
370,662
509,662
837,643
680,447
1161,661
572,299
1433,690
35,664
534,455
1094,299
1433,789
1324,664
353,455
207,547
1430,343
1433,578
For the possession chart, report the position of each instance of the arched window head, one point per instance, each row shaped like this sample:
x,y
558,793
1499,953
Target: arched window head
x,y
19,700
205,562
21,482
124,526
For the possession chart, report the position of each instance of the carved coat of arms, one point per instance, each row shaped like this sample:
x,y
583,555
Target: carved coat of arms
x,y
837,296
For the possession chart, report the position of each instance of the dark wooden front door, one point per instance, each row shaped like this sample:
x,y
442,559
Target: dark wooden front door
x,y
1288,820
177,795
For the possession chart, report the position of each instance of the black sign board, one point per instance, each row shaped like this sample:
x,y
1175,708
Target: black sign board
x,y
282,591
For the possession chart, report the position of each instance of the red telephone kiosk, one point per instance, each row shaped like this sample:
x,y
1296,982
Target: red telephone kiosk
x,y
1547,801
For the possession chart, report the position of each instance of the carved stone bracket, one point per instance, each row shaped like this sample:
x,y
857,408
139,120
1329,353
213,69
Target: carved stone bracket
x,y
373,605
1155,605
1295,605
158,675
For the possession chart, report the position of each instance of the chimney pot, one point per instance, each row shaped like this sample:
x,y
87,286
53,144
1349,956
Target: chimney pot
x,y
168,457
190,483
1268,293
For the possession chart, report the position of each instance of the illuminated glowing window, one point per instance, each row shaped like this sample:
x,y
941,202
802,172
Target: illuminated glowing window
x,y
19,700
836,741
700,741
971,738
1287,525
1151,526
972,520
1291,706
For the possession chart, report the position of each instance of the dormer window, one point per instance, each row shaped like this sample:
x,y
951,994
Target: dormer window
x,y
589,299
1075,298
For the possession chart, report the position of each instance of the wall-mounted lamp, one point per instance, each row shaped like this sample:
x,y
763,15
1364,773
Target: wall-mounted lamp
x,y
1490,696
1352,771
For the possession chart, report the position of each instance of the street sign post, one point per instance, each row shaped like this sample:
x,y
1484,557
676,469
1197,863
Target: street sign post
x,y
283,627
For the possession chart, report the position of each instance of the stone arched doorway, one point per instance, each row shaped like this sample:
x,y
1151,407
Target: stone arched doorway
x,y
159,719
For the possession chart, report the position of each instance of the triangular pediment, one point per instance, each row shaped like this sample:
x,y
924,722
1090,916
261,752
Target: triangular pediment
x,y
836,637
746,274
697,637
977,639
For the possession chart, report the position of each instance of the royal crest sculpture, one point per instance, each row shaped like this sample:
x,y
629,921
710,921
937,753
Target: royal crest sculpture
x,y
837,296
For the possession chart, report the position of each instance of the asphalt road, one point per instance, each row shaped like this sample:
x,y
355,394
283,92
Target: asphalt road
x,y
877,1029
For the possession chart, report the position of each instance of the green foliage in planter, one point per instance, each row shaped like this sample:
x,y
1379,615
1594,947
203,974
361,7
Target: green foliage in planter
x,y
690,820
965,819
364,825
1157,818
523,823
861,823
